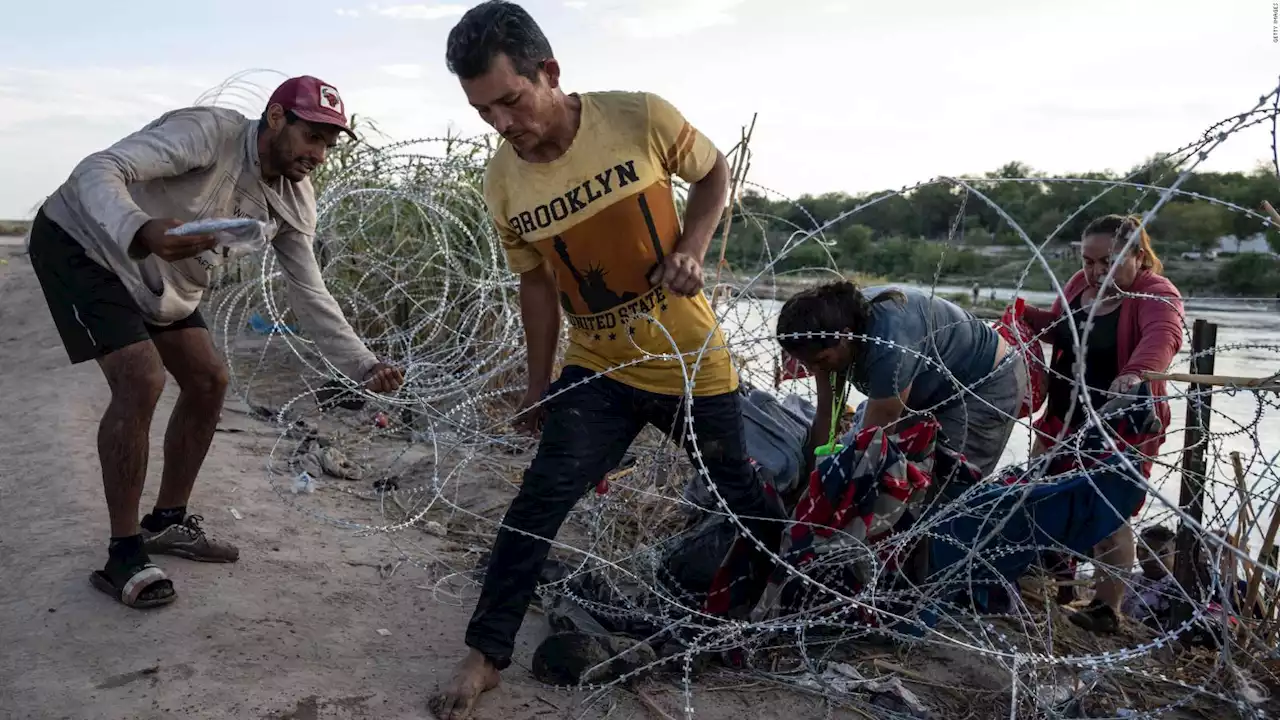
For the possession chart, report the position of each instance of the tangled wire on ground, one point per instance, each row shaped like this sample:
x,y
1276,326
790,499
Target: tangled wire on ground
x,y
410,255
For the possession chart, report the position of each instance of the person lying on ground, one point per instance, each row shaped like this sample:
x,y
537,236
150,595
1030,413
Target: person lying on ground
x,y
580,191
916,353
126,294
1137,328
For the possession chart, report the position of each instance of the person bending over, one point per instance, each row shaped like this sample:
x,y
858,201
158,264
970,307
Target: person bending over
x,y
1137,328
125,294
917,352
580,191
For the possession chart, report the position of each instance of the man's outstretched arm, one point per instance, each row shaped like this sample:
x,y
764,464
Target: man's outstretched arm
x,y
322,318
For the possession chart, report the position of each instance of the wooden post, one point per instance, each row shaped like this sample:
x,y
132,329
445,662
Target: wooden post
x,y
1204,336
737,175
1267,558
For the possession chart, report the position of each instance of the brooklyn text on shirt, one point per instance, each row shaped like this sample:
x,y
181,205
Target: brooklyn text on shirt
x,y
576,199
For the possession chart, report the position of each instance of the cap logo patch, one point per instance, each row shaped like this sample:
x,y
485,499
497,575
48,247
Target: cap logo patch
x,y
330,100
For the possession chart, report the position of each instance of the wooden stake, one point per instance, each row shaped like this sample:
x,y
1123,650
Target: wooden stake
x,y
1244,516
738,174
1271,382
1275,216
1255,579
1204,337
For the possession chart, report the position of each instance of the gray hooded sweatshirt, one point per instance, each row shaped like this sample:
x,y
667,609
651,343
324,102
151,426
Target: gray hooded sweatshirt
x,y
191,164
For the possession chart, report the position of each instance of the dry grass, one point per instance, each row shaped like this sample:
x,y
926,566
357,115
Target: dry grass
x,y
14,227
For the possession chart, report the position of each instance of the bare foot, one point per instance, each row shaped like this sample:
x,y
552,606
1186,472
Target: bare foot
x,y
474,676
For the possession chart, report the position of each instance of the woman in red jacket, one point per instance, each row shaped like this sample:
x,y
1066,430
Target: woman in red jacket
x,y
1137,328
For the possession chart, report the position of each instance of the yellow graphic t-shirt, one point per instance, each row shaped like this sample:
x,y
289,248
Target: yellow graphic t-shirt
x,y
603,214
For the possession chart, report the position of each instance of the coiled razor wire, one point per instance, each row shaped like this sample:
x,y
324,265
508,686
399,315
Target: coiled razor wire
x,y
408,250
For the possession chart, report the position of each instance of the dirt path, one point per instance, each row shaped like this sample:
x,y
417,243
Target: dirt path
x,y
289,632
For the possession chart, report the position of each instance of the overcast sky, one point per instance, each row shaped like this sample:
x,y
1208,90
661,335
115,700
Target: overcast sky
x,y
852,95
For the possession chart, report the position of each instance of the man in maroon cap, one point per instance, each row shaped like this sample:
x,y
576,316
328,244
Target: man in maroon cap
x,y
126,294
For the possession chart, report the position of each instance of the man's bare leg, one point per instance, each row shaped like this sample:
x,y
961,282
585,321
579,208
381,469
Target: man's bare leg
x,y
136,378
474,676
586,432
188,354
1113,558
1117,553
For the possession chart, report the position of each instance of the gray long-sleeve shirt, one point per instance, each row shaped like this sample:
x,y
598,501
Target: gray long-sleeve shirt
x,y
190,164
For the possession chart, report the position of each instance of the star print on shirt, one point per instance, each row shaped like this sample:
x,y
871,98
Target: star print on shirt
x,y
663,306
613,336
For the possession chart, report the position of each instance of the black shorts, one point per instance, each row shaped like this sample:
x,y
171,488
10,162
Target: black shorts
x,y
91,307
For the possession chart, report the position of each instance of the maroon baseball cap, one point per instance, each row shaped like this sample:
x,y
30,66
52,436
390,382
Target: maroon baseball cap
x,y
313,100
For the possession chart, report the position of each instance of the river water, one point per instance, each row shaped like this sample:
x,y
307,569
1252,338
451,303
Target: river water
x,y
1248,345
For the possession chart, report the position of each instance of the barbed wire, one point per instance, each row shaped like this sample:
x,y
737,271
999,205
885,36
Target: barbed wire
x,y
408,251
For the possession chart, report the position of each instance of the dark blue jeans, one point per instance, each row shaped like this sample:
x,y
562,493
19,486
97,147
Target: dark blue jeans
x,y
585,434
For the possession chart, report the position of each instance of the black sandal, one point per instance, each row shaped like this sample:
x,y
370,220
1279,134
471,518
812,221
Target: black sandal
x,y
136,585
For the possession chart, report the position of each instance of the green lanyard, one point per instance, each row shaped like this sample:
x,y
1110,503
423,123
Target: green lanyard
x,y
837,409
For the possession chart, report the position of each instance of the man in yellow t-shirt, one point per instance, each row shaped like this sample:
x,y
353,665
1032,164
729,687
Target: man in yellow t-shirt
x,y
580,191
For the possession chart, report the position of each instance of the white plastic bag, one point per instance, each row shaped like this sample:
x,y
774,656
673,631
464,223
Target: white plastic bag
x,y
304,483
234,235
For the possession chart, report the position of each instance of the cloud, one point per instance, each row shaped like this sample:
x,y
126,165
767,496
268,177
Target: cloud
x,y
406,113
668,18
575,4
420,11
344,12
31,95
406,71
52,119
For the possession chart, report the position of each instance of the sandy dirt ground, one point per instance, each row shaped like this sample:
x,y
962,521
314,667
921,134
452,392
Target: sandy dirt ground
x,y
290,632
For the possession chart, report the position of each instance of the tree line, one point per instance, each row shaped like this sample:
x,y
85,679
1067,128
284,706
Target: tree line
x,y
947,232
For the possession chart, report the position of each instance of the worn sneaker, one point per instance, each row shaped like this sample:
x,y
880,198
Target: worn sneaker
x,y
188,540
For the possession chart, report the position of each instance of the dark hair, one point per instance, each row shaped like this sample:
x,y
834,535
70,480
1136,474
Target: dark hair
x,y
1119,227
493,28
830,308
1157,535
